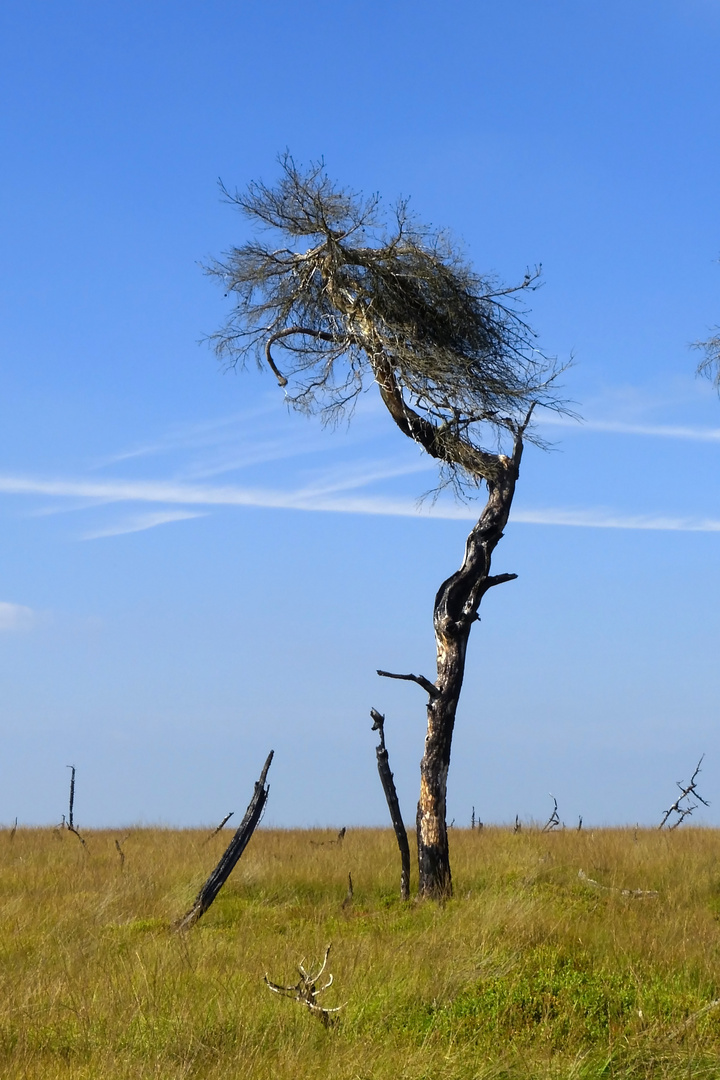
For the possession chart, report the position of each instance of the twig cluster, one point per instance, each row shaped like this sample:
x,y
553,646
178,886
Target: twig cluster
x,y
306,991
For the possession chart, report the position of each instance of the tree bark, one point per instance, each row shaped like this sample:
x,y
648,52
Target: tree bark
x,y
232,853
455,611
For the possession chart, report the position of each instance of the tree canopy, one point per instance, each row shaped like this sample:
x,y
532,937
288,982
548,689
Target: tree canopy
x,y
353,296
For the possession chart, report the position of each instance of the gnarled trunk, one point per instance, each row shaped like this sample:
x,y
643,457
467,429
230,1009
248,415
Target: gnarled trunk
x,y
456,606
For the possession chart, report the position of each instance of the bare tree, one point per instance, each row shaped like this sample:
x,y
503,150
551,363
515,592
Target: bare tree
x,y
353,301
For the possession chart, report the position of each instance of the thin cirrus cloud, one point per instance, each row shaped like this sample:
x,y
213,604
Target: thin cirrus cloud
x,y
141,522
317,498
621,427
15,618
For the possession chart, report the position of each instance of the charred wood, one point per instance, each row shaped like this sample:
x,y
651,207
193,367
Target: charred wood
x,y
232,853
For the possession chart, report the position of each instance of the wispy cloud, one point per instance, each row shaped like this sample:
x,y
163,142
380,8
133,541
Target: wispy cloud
x,y
15,618
141,522
228,444
328,498
621,427
610,519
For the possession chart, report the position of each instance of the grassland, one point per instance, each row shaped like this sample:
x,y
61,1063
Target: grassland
x,y
528,972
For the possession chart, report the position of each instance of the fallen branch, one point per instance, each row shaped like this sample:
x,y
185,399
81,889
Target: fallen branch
x,y
388,783
330,843
306,991
634,894
232,853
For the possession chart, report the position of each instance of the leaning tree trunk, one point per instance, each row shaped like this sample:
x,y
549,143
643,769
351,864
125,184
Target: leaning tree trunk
x,y
456,606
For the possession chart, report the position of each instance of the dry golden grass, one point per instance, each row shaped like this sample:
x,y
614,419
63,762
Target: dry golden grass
x,y
527,972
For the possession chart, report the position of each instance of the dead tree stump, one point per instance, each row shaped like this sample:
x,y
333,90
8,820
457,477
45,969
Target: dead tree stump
x,y
388,783
232,854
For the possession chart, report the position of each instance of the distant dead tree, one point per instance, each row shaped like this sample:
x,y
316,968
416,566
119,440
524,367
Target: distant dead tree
x,y
683,807
71,803
553,822
354,302
70,823
120,851
349,894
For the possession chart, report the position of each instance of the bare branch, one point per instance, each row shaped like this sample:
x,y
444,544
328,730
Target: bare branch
x,y
220,827
553,822
686,793
72,829
427,686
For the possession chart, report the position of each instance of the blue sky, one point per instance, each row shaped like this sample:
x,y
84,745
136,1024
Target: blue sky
x,y
190,576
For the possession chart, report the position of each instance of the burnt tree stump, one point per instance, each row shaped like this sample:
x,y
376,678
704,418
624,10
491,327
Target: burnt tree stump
x,y
232,853
388,783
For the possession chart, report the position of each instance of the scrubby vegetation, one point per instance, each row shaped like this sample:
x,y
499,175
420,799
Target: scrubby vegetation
x,y
529,972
